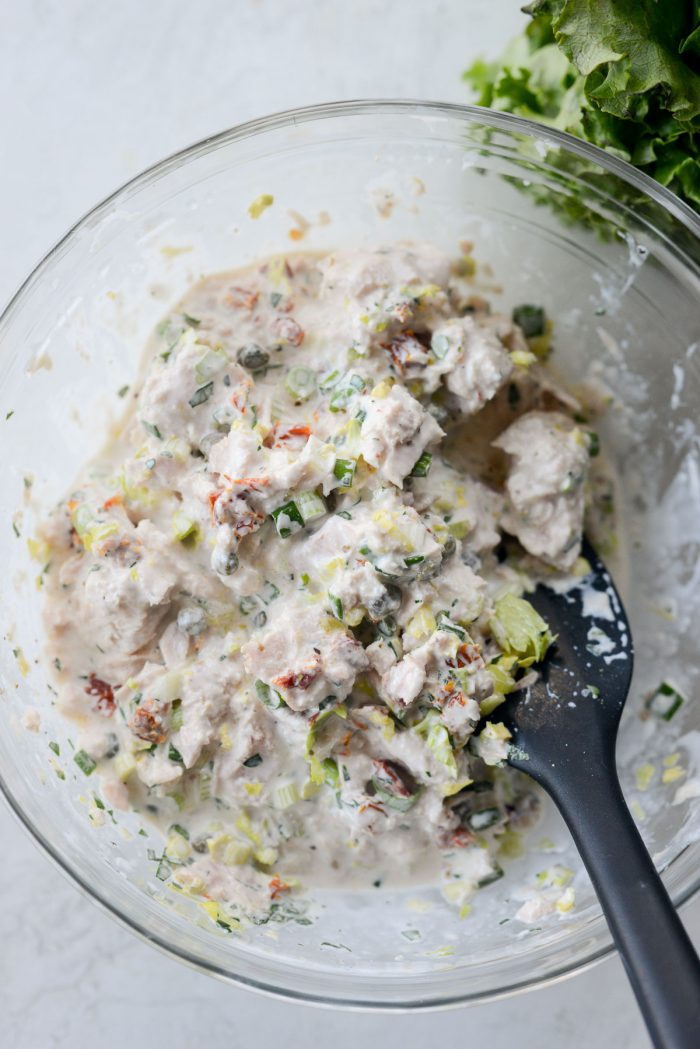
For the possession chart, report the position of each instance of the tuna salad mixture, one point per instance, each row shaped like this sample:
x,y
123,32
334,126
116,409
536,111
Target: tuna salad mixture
x,y
288,599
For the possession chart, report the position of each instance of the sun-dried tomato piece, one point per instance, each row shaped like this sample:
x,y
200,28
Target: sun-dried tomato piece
x,y
406,350
296,679
147,723
286,329
106,703
240,298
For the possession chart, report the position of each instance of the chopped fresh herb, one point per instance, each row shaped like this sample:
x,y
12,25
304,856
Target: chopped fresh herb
x,y
57,663
177,828
337,605
422,466
247,605
275,298
9,415
201,395
414,559
84,762
122,391
253,761
55,748
193,322
344,514
15,529
152,429
27,482
344,470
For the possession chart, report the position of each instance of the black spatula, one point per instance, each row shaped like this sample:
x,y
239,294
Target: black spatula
x,y
564,730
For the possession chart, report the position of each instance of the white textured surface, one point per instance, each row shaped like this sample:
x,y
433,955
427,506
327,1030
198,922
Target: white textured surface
x,y
90,93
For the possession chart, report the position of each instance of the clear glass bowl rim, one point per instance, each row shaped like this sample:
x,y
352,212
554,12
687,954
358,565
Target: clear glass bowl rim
x,y
474,115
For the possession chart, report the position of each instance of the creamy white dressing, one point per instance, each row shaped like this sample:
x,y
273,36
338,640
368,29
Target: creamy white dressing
x,y
273,604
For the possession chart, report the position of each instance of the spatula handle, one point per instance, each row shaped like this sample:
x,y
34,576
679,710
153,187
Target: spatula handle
x,y
660,960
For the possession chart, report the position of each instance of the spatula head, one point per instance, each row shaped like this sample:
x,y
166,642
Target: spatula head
x,y
573,711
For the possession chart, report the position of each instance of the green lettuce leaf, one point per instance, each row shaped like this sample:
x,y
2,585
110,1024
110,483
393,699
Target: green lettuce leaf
x,y
622,74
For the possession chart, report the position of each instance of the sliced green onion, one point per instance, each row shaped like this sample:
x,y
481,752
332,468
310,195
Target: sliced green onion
x,y
445,623
495,875
414,559
530,319
344,470
184,527
269,592
175,755
665,702
483,819
269,696
248,605
336,604
330,772
310,506
329,380
342,396
253,761
84,762
593,444
287,519
176,718
301,382
201,395
422,466
152,429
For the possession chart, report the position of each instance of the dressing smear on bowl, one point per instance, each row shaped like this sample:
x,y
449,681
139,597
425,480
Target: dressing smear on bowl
x,y
288,599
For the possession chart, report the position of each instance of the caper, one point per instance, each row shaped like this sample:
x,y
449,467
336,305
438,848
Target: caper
x,y
449,547
192,621
253,357
224,562
385,603
428,569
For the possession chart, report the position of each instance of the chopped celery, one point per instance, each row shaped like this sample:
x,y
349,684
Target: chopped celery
x,y
422,465
520,630
344,470
301,382
437,739
285,795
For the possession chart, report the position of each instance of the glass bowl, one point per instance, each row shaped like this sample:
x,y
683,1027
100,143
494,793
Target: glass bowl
x,y
614,259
